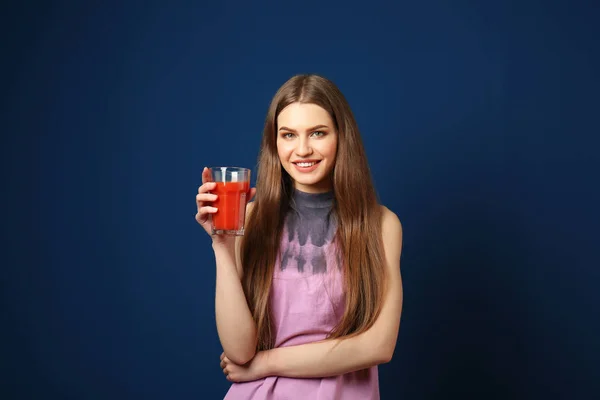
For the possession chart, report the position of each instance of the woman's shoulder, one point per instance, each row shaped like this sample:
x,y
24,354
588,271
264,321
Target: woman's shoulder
x,y
391,234
390,222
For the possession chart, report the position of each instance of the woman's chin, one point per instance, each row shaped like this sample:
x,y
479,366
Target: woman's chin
x,y
311,185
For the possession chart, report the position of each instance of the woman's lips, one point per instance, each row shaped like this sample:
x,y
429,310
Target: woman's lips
x,y
306,166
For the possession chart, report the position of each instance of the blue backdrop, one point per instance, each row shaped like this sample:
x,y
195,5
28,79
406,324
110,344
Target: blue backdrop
x,y
481,127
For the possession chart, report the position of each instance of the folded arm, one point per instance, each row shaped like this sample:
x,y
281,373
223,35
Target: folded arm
x,y
338,356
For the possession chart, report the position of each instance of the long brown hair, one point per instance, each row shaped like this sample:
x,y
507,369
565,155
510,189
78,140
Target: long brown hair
x,y
358,214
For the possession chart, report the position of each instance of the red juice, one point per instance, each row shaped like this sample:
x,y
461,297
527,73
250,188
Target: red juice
x,y
231,204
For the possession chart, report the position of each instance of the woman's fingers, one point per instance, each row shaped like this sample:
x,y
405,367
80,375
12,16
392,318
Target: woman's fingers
x,y
206,175
223,365
207,210
206,187
202,197
224,361
203,212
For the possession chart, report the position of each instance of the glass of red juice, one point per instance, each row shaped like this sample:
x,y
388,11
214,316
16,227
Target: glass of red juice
x,y
232,189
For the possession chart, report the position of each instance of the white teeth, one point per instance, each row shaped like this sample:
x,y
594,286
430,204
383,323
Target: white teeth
x,y
304,165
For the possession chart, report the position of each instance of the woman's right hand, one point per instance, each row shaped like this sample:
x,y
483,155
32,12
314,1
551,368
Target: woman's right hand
x,y
204,201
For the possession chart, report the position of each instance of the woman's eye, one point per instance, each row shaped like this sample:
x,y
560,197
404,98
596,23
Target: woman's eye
x,y
287,135
318,133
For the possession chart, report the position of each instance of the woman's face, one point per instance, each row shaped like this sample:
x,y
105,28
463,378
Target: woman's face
x,y
307,146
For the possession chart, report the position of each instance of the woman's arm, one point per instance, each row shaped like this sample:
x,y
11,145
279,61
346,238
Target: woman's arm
x,y
338,356
235,325
373,347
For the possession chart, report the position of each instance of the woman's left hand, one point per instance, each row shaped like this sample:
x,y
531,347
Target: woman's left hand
x,y
251,371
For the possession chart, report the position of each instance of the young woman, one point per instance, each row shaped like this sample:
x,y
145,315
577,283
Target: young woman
x,y
308,302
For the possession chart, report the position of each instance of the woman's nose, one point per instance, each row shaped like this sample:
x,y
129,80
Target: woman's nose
x,y
303,148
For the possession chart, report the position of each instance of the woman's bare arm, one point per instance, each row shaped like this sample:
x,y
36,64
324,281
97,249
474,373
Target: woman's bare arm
x,y
235,325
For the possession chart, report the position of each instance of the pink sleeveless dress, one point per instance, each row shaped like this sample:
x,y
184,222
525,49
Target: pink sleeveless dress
x,y
307,301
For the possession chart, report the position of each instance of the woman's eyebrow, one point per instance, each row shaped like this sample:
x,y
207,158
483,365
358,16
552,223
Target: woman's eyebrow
x,y
284,128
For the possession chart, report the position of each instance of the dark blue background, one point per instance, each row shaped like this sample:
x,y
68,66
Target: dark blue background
x,y
481,127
